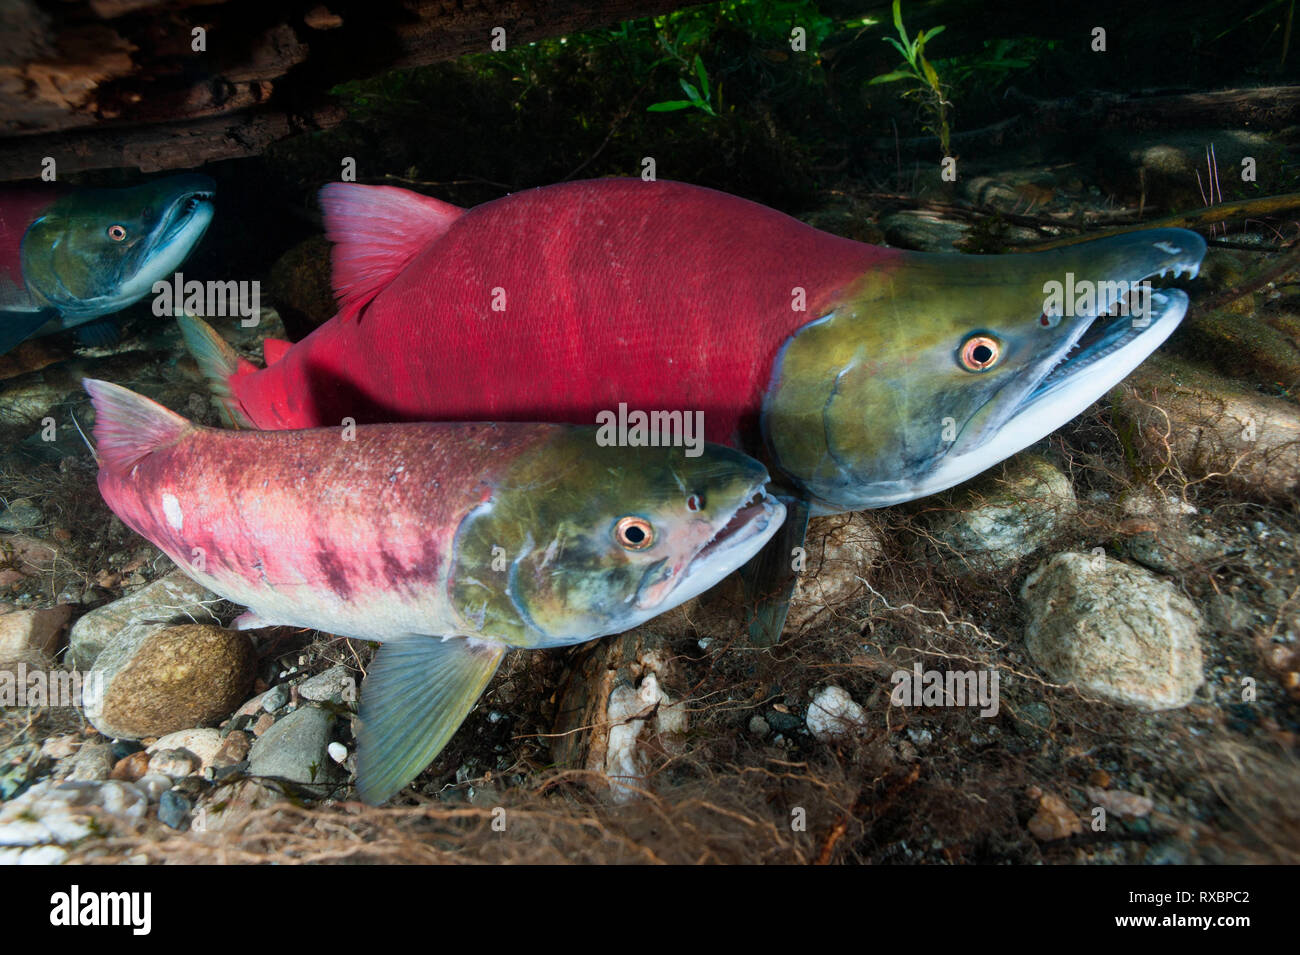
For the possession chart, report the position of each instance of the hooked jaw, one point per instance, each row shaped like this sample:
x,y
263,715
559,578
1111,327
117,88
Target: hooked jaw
x,y
1103,343
932,371
188,214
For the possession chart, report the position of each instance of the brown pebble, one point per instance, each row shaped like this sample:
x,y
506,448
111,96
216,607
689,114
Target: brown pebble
x,y
1099,777
60,747
61,534
130,768
1054,819
264,723
234,748
108,580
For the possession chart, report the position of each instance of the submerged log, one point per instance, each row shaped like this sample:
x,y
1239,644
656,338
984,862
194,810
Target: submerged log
x,y
620,712
165,84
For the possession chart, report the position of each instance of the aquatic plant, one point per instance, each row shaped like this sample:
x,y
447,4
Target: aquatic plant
x,y
699,95
921,72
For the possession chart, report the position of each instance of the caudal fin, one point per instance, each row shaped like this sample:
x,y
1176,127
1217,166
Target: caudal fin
x,y
219,364
376,231
129,426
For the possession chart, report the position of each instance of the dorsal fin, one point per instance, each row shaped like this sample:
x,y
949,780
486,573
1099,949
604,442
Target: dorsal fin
x,y
376,231
129,426
273,349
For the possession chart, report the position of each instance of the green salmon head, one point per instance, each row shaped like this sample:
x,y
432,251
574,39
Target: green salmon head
x,y
936,367
579,541
95,251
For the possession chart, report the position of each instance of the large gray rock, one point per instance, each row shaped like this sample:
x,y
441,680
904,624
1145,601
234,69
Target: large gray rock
x,y
154,682
994,521
169,600
1114,630
296,749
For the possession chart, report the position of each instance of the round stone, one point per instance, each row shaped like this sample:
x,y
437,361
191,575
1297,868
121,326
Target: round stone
x,y
151,683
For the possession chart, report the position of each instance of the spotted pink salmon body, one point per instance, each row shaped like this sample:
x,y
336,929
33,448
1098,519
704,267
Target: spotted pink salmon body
x,y
450,543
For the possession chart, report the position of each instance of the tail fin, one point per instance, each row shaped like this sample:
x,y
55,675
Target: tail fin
x,y
129,426
219,363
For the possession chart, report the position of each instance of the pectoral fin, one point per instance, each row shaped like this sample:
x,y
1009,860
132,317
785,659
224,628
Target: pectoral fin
x,y
769,578
17,325
417,693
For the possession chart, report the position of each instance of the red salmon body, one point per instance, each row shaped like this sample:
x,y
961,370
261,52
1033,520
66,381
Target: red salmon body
x,y
555,304
19,207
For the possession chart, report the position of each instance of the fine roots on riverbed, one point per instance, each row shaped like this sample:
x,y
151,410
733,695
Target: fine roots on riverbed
x,y
914,784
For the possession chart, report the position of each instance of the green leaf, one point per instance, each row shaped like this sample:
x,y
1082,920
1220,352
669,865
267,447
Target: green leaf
x,y
906,53
898,22
704,77
669,106
931,76
891,77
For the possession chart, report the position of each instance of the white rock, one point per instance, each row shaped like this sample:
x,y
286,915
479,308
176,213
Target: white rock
x,y
839,549
338,752
203,744
833,715
629,709
154,785
63,813
34,855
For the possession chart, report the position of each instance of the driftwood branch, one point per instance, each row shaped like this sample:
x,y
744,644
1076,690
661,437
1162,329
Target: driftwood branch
x,y
119,83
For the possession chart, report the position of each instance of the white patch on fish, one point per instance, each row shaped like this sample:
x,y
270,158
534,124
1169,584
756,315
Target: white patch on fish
x,y
172,511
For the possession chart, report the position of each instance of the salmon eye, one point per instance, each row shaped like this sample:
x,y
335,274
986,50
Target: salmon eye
x,y
694,502
979,353
117,232
634,533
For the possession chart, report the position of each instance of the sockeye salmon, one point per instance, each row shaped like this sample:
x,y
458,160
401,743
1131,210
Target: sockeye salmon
x,y
864,376
449,543
70,257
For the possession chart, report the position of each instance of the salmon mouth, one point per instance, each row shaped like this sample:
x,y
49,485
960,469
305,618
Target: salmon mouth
x,y
182,213
188,215
739,538
1098,350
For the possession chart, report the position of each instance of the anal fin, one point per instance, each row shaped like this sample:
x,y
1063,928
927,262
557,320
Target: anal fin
x,y
249,620
418,691
770,578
